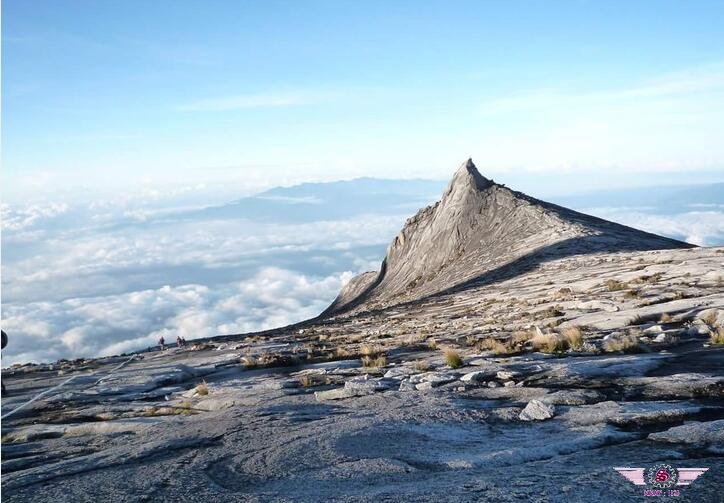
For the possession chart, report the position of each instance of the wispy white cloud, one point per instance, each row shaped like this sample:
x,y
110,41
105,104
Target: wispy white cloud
x,y
244,101
708,78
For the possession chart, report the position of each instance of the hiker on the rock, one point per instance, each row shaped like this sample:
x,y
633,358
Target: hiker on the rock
x,y
4,343
161,342
179,341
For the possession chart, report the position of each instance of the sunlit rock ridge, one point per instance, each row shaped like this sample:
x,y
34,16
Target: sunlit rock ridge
x,y
481,231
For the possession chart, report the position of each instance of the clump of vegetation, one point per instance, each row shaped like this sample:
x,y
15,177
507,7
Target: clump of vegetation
x,y
249,362
615,285
341,352
665,318
710,318
312,379
628,343
374,362
631,294
549,343
494,345
470,340
453,359
552,312
521,336
421,365
432,343
564,293
202,388
573,337
651,279
369,350
717,337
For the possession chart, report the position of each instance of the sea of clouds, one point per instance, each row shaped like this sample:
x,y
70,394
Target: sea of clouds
x,y
83,279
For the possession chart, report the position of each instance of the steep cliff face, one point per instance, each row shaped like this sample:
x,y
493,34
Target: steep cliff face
x,y
477,228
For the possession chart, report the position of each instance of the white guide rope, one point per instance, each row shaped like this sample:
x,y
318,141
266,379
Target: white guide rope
x,y
48,391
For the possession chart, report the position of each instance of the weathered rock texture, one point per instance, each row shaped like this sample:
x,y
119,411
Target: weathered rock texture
x,y
479,232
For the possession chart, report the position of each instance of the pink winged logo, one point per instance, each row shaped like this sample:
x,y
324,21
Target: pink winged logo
x,y
686,475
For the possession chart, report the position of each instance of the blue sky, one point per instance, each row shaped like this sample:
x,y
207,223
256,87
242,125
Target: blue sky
x,y
98,95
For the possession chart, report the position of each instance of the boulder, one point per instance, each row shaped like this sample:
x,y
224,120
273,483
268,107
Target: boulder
x,y
537,411
476,376
506,375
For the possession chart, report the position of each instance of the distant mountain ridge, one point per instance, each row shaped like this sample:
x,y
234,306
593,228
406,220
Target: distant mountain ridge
x,y
477,228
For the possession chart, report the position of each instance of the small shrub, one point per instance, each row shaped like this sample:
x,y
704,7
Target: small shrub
x,y
377,363
551,312
564,293
249,362
341,352
615,285
665,318
432,343
202,389
452,359
628,343
470,340
573,337
717,337
421,365
494,345
631,294
309,380
549,343
710,318
521,336
369,350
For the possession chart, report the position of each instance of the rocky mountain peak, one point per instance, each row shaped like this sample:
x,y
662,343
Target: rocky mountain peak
x,y
467,177
477,232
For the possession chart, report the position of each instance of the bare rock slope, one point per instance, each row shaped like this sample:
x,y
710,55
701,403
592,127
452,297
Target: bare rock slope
x,y
554,348
481,231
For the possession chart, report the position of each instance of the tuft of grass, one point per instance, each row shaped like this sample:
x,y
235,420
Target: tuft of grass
x,y
549,343
202,388
453,359
717,337
615,285
470,340
551,312
709,318
665,318
521,336
563,293
377,362
631,294
249,362
341,352
573,337
628,343
369,350
494,345
309,380
421,365
432,343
